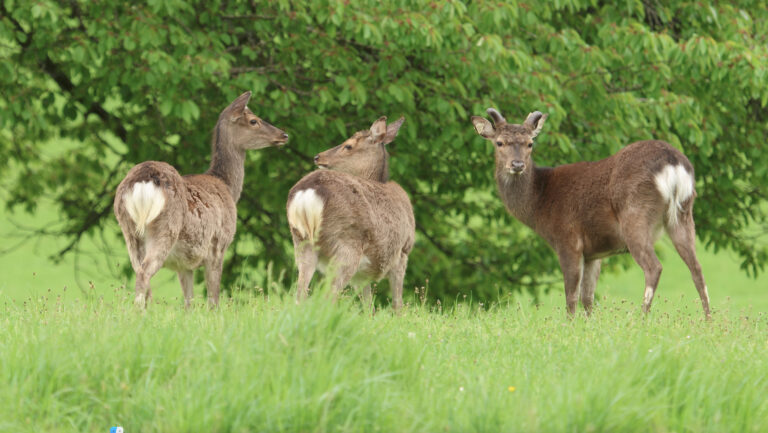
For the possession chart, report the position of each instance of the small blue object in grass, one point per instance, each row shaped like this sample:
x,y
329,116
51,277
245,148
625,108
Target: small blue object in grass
x,y
116,430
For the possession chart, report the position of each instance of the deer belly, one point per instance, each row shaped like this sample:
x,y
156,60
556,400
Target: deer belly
x,y
184,256
365,266
365,271
604,254
606,247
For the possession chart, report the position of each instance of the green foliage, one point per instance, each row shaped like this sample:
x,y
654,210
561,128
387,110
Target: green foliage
x,y
269,365
143,81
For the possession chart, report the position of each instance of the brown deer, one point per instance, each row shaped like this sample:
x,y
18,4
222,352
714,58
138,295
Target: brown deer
x,y
184,222
590,210
352,218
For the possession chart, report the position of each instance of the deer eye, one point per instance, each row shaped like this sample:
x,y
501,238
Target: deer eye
x,y
254,121
530,145
499,143
348,147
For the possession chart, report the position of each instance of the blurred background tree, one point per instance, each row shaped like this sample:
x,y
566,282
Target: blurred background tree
x,y
134,81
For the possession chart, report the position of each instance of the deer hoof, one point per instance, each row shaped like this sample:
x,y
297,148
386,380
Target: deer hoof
x,y
140,300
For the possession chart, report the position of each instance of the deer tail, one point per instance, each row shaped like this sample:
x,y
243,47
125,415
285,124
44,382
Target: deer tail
x,y
144,202
676,186
305,213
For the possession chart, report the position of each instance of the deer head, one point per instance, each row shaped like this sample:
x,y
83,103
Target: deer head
x,y
513,143
364,154
246,130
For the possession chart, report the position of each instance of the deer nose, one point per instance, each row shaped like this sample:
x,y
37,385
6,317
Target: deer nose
x,y
517,166
317,157
285,136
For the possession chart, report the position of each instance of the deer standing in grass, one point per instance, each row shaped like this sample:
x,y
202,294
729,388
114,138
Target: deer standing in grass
x,y
351,219
590,210
184,222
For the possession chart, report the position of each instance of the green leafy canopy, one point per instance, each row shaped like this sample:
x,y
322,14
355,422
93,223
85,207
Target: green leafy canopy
x,y
134,81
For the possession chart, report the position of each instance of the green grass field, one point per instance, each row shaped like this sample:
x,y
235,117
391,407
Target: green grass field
x,y
262,364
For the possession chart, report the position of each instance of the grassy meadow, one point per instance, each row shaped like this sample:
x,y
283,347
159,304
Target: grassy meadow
x,y
266,364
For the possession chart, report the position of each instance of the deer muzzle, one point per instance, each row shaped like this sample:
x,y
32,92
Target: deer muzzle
x,y
281,138
516,167
319,163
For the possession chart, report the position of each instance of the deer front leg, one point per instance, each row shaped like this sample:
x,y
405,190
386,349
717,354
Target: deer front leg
x,y
588,284
396,277
572,265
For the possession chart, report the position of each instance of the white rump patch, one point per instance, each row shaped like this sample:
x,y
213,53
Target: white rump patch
x,y
305,213
144,203
676,186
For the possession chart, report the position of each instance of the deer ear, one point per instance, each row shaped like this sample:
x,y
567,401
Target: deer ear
x,y
379,128
237,107
535,122
483,127
392,129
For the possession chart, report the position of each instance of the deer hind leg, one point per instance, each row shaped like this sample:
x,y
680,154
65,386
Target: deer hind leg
x,y
396,277
572,265
639,235
306,261
346,261
366,297
213,270
156,251
135,250
186,279
588,284
683,235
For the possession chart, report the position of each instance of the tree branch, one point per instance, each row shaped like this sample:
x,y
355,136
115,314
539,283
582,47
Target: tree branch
x,y
53,71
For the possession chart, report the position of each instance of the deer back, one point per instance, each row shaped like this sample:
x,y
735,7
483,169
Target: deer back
x,y
370,214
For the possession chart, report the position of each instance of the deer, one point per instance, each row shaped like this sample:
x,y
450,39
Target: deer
x,y
587,211
185,222
347,218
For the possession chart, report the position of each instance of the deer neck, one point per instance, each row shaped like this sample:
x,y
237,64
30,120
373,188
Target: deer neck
x,y
381,174
227,162
377,172
519,192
